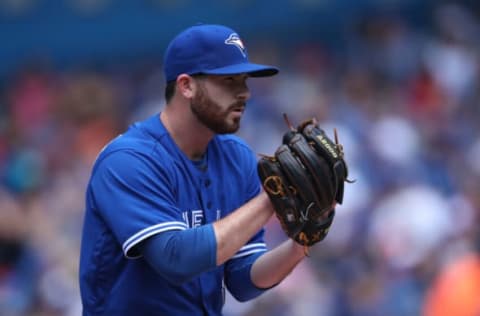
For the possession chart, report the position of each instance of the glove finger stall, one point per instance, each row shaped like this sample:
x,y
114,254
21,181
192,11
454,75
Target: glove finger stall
x,y
296,174
318,170
327,149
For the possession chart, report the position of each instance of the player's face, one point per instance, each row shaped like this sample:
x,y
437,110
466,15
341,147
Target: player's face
x,y
220,101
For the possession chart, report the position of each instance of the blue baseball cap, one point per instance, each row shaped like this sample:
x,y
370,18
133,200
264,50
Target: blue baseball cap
x,y
210,49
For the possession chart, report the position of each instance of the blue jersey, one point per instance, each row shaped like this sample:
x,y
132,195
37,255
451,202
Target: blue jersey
x,y
142,185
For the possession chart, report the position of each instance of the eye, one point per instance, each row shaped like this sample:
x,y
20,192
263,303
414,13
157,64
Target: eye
x,y
234,80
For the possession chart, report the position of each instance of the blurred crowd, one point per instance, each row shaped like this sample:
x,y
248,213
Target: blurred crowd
x,y
405,102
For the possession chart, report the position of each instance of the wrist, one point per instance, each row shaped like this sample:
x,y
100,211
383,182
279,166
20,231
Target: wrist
x,y
299,250
266,203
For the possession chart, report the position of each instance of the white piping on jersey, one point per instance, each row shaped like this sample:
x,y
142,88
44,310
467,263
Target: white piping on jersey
x,y
150,231
249,249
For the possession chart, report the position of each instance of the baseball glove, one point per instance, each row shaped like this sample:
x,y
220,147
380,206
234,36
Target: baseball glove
x,y
304,180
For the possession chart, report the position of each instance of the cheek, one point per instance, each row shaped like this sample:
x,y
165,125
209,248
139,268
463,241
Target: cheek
x,y
221,95
219,104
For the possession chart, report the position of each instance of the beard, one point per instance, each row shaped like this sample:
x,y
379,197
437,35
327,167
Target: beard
x,y
213,115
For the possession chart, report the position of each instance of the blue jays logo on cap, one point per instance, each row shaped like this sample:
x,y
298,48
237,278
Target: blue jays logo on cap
x,y
235,40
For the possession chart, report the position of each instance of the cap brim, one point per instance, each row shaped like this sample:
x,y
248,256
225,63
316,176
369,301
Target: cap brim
x,y
253,70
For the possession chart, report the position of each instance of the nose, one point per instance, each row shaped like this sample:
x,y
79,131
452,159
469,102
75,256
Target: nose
x,y
244,92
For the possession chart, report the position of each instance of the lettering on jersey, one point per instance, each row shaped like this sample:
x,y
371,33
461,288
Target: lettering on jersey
x,y
197,218
193,218
185,218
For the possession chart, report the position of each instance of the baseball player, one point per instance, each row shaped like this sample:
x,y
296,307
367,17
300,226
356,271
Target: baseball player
x,y
174,206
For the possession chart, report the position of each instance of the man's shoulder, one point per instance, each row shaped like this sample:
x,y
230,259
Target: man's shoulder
x,y
140,137
234,148
128,142
137,142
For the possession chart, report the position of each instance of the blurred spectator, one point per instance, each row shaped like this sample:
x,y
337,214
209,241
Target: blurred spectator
x,y
19,264
455,290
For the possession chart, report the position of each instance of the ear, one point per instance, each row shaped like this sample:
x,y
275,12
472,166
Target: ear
x,y
186,86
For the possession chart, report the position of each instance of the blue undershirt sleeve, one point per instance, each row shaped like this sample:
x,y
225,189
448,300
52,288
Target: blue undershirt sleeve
x,y
178,256
238,278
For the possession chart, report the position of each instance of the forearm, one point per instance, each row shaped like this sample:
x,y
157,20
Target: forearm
x,y
275,265
234,231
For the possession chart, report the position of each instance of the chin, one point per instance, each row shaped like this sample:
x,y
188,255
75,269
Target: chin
x,y
227,128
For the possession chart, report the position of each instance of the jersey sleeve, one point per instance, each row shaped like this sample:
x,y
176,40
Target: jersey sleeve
x,y
134,195
255,245
238,277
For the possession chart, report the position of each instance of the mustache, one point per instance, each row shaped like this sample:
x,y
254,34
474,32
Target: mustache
x,y
237,105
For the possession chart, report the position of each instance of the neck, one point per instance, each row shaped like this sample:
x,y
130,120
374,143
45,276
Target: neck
x,y
189,134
